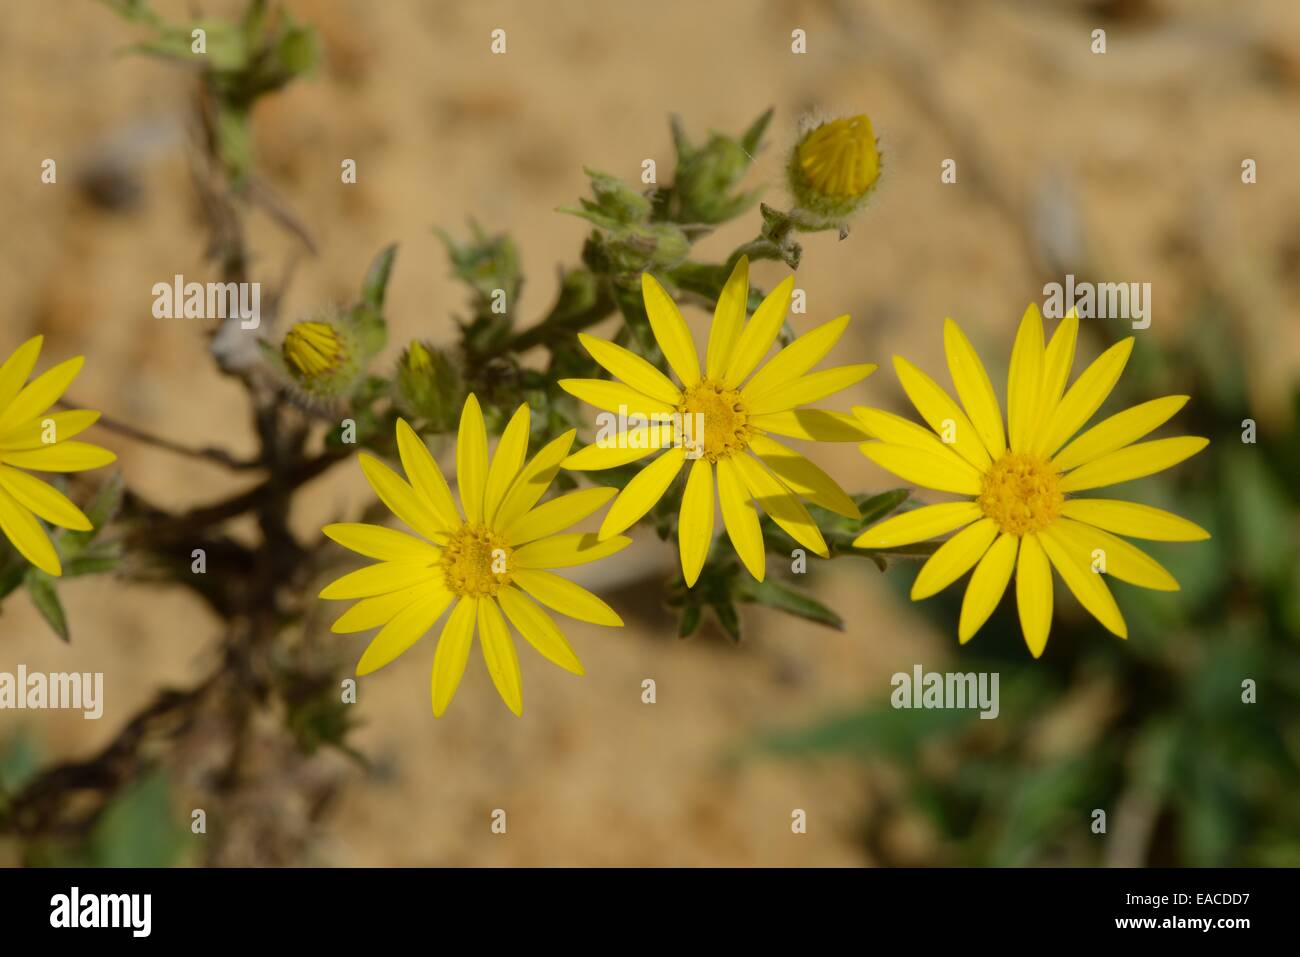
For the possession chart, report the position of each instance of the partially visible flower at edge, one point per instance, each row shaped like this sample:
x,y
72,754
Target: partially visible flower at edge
x,y
31,437
739,418
488,557
1020,516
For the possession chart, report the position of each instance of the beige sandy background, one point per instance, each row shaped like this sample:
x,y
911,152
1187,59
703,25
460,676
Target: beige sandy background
x,y
1133,154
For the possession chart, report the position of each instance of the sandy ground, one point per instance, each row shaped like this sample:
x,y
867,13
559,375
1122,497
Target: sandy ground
x,y
1144,144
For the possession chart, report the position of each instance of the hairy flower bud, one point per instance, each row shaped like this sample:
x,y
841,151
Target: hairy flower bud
x,y
833,170
322,357
428,385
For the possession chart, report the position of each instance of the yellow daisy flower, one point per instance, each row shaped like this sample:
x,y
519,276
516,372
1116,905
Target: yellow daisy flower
x,y
1022,514
32,437
738,419
485,558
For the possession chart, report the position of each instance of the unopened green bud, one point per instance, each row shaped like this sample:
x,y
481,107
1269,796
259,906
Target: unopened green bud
x,y
706,177
428,385
634,249
617,199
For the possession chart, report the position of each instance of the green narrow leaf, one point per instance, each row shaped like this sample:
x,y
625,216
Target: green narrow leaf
x,y
103,508
41,587
94,560
689,622
875,507
11,575
752,138
727,618
375,284
138,829
19,760
776,594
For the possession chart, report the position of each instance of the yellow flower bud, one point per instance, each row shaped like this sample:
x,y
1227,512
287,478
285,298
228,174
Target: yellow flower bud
x,y
314,349
323,359
833,170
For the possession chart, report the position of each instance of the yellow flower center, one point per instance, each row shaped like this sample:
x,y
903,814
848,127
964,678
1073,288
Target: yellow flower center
x,y
476,562
313,348
1021,493
714,416
840,158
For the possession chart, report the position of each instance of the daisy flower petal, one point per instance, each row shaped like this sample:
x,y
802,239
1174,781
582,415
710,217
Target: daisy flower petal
x,y
811,388
404,629
379,579
425,475
614,396
942,414
21,528
557,514
987,585
670,331
533,480
399,497
741,518
452,653
695,526
1121,429
623,448
974,388
1076,571
1123,561
17,368
538,629
728,319
641,494
1133,519
1058,359
506,463
499,655
471,459
569,548
632,370
1133,461
941,472
36,433
780,503
44,500
812,425
63,457
41,393
1084,397
376,541
1034,594
375,611
759,333
795,359
803,476
919,525
954,558
566,597
1023,377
